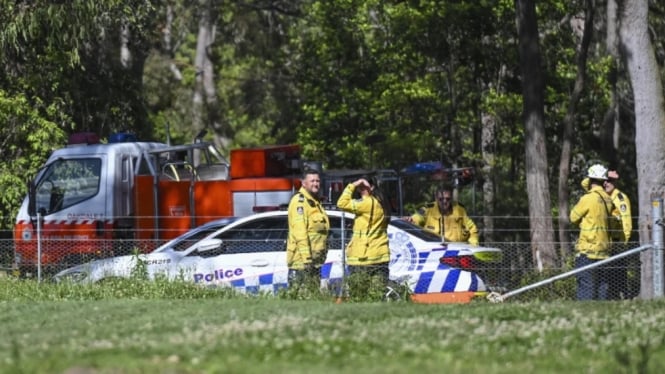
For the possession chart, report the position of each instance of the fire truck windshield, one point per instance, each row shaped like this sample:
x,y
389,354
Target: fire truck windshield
x,y
66,182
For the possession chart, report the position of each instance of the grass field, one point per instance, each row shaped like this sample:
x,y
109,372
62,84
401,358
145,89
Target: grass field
x,y
148,327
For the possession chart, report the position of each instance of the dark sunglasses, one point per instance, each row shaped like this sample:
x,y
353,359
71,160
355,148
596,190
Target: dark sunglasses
x,y
444,198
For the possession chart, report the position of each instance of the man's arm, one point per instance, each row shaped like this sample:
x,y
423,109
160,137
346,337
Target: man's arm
x,y
348,204
418,217
578,211
471,227
298,228
345,202
623,205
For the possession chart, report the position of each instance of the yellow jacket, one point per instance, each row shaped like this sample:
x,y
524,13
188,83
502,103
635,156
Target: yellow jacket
x,y
369,243
308,231
622,224
592,214
456,226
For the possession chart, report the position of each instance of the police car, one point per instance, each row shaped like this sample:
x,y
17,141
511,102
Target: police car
x,y
249,254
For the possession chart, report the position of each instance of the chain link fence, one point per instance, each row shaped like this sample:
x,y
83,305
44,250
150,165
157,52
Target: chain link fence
x,y
515,270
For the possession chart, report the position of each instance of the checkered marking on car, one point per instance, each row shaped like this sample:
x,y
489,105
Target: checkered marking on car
x,y
447,280
441,279
425,258
265,283
273,283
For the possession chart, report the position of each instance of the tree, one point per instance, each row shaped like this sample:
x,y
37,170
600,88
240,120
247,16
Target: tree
x,y
645,80
205,104
28,135
70,53
537,181
568,124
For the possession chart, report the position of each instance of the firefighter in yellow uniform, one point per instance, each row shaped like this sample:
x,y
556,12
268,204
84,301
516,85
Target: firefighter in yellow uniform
x,y
592,214
621,227
306,248
446,219
368,251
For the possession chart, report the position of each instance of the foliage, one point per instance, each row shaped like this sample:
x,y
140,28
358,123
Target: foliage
x,y
140,269
358,287
256,96
358,84
362,287
374,75
561,290
67,52
308,289
30,132
20,290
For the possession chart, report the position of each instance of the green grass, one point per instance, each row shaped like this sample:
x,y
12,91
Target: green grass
x,y
160,327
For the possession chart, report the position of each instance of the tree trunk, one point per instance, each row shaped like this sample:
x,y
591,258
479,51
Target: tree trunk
x,y
610,131
133,54
488,141
568,125
205,101
125,39
649,122
168,47
540,220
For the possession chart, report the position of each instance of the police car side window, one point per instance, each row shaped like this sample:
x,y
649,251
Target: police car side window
x,y
260,235
271,228
278,233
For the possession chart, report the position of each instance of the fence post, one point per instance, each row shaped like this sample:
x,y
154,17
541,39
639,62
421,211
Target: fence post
x,y
39,247
341,292
657,251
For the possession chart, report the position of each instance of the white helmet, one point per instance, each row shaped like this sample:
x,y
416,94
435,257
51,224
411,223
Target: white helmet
x,y
597,171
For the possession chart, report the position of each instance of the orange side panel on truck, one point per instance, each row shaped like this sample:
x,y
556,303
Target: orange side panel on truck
x,y
71,238
212,200
263,162
145,207
175,211
265,184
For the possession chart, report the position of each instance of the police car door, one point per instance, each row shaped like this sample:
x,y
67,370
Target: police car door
x,y
250,256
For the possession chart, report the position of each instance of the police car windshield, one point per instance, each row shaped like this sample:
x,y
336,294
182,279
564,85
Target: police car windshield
x,y
193,236
415,230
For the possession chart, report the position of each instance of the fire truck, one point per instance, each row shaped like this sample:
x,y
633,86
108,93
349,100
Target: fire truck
x,y
94,199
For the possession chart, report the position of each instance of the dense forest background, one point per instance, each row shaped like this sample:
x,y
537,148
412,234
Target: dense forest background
x,y
528,94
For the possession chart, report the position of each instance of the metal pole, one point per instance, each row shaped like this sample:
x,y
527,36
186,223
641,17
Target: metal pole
x,y
400,195
340,292
495,297
657,239
39,247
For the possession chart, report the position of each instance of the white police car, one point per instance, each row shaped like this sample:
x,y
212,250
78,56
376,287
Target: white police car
x,y
249,254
